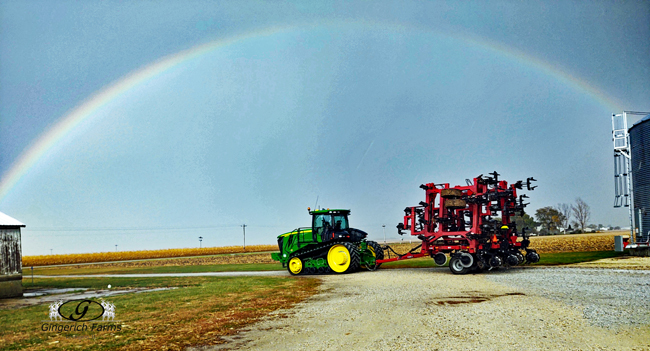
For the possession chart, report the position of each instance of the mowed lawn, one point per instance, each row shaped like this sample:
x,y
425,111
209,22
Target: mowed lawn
x,y
198,312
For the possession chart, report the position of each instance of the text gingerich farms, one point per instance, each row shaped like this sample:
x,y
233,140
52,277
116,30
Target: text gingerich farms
x,y
94,327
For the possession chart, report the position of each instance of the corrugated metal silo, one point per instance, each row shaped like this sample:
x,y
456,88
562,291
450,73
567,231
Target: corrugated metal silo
x,y
640,164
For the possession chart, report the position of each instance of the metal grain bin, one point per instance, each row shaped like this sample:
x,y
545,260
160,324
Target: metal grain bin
x,y
640,162
11,272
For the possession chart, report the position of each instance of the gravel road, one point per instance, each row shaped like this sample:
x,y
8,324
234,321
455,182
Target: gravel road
x,y
612,298
431,309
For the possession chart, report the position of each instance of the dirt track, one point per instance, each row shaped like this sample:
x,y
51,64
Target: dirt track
x,y
428,309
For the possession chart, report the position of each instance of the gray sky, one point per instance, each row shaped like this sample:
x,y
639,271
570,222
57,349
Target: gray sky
x,y
356,103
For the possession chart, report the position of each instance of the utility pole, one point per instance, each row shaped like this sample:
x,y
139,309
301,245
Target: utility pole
x,y
50,251
200,239
383,227
244,226
115,247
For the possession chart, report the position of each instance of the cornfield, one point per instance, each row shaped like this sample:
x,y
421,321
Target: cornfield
x,y
45,260
575,243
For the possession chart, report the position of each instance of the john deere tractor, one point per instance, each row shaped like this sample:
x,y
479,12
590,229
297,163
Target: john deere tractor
x,y
330,245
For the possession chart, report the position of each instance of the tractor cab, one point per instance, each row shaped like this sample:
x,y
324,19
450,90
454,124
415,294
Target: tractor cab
x,y
330,225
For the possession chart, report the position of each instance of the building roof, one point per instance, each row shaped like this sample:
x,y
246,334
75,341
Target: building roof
x,y
6,221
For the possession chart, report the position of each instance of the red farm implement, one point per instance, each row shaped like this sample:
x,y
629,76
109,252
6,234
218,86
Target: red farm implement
x,y
473,224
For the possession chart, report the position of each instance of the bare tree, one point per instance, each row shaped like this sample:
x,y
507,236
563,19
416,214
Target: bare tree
x,y
581,212
565,211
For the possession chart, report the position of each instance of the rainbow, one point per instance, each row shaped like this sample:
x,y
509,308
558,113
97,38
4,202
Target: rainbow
x,y
87,108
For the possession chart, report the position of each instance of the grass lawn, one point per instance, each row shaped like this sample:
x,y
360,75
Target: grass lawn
x,y
235,267
422,262
197,313
561,258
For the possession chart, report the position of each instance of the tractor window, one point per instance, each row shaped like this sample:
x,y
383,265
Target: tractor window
x,y
321,219
340,222
326,222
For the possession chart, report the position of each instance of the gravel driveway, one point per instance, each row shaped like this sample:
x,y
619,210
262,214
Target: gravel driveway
x,y
429,309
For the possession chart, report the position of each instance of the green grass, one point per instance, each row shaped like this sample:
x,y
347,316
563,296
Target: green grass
x,y
159,269
552,259
201,309
422,262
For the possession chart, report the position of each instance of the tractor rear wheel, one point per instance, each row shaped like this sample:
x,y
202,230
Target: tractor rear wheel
x,y
376,251
295,266
343,258
456,266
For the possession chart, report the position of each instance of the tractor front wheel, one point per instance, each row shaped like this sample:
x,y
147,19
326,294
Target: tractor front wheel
x,y
343,258
295,266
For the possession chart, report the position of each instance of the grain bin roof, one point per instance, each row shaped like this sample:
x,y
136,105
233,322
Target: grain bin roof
x,y
6,221
646,118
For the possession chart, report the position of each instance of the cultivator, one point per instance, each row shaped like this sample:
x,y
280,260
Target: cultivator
x,y
473,224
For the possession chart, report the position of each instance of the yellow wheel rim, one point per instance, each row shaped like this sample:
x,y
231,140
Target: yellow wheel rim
x,y
295,265
338,258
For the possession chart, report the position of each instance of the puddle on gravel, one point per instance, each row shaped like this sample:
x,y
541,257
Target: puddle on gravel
x,y
470,298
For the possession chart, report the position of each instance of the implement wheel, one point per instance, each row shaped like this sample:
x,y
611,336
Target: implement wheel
x,y
456,266
295,266
343,258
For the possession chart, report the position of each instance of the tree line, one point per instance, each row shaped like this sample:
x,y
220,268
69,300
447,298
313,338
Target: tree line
x,y
563,218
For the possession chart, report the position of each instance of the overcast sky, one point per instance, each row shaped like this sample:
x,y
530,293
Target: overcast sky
x,y
354,103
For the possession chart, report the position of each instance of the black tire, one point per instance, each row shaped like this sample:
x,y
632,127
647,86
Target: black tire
x,y
379,253
355,258
456,266
352,259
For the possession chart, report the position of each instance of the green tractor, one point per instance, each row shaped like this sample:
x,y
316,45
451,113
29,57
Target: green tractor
x,y
330,245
